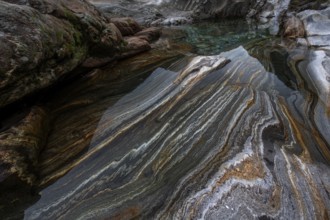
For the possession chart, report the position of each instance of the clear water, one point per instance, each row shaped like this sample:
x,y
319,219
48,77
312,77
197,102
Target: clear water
x,y
211,38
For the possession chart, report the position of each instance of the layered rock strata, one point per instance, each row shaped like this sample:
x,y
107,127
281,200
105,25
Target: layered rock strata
x,y
312,58
223,138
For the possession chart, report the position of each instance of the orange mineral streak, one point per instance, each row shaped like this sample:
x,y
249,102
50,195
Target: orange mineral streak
x,y
296,132
250,169
321,210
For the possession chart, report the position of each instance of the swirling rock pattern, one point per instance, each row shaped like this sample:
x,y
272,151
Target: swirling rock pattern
x,y
221,139
41,143
73,128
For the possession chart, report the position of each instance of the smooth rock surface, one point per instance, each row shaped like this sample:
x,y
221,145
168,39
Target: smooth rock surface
x,y
41,143
317,22
223,138
314,67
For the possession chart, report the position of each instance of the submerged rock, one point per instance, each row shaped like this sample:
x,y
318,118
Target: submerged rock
x,y
222,138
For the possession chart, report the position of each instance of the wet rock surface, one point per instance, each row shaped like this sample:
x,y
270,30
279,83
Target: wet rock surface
x,y
40,143
249,135
268,13
241,133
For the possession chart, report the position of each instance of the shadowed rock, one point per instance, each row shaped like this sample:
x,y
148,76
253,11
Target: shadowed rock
x,y
21,144
43,41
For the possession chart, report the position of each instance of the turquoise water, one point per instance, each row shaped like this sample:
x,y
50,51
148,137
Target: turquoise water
x,y
211,38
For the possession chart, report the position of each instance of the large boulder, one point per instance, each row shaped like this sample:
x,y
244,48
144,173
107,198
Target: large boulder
x,y
42,41
317,26
309,27
219,139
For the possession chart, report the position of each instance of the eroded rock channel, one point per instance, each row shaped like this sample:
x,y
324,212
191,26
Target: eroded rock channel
x,y
165,109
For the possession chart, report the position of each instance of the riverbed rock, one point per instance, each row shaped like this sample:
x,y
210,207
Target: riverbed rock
x,y
126,25
293,27
221,138
317,26
144,12
42,41
309,27
21,144
73,128
314,68
301,5
316,22
140,42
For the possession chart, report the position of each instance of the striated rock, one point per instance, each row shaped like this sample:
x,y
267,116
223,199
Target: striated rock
x,y
73,127
42,143
222,138
21,144
314,68
45,40
268,13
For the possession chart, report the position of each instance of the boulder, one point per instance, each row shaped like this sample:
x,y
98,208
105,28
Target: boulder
x,y
140,42
215,139
293,27
316,22
301,5
309,27
42,41
127,26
